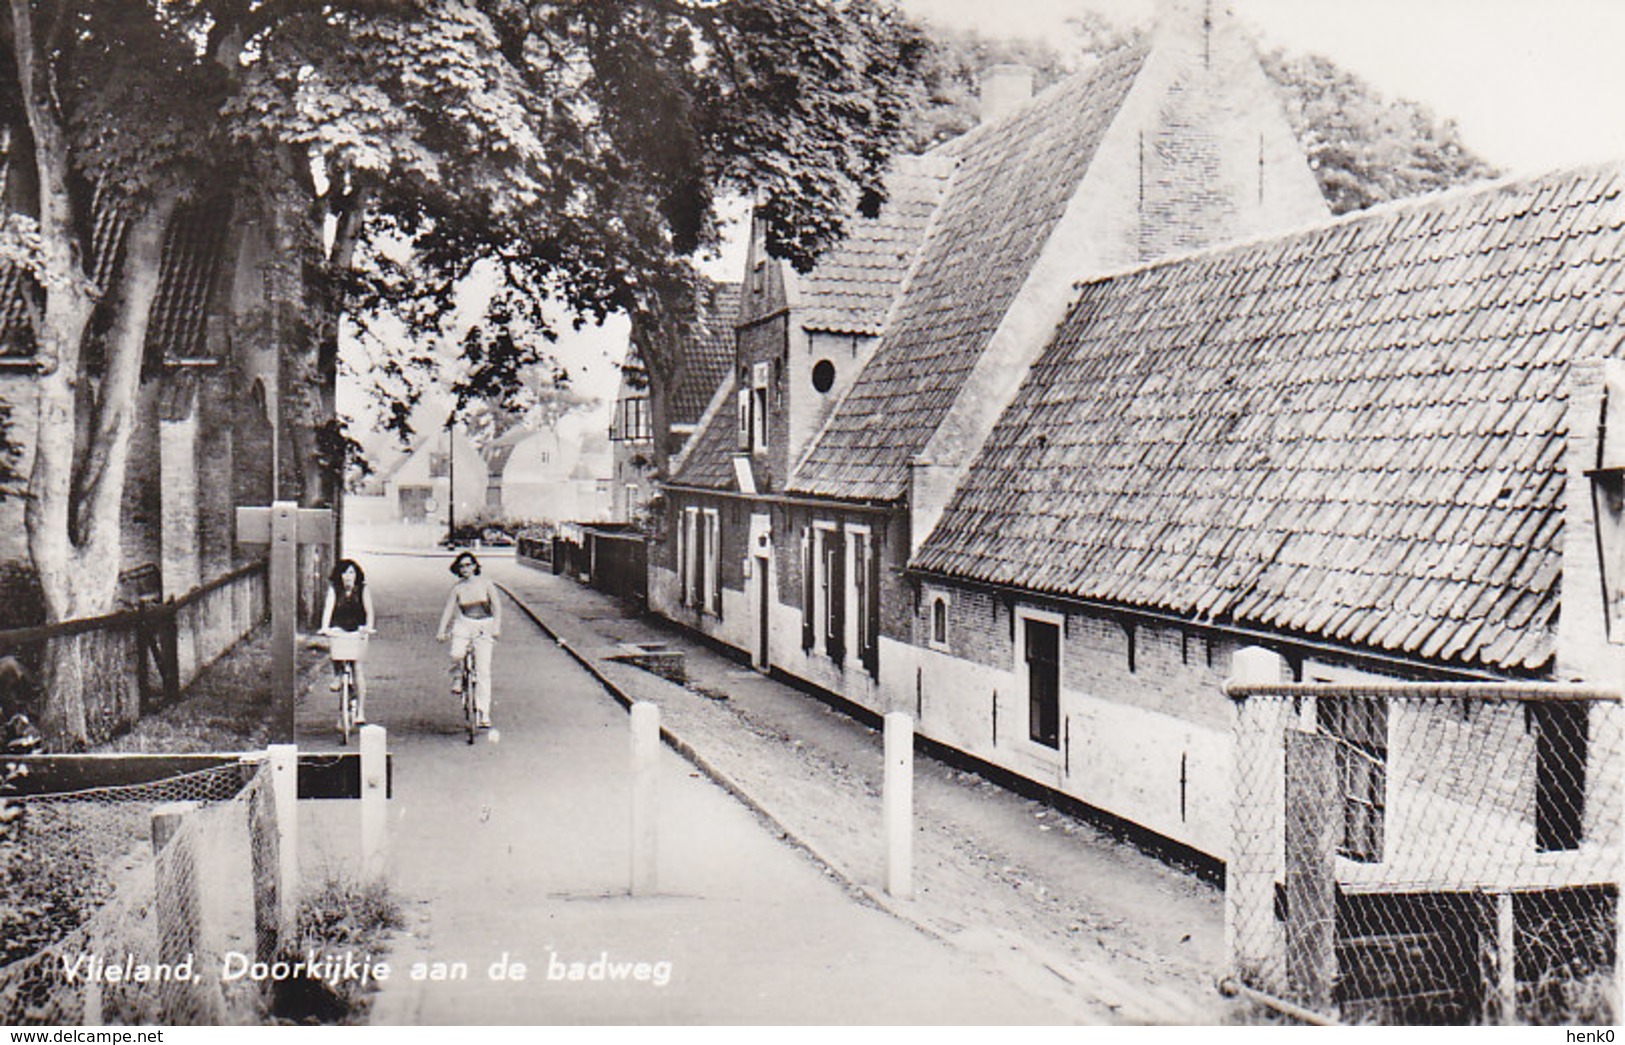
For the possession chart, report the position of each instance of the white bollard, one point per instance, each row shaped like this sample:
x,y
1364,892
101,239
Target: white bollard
x,y
374,795
285,788
897,790
645,765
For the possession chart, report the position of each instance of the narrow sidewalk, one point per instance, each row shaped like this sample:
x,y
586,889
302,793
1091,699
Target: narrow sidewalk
x,y
1086,920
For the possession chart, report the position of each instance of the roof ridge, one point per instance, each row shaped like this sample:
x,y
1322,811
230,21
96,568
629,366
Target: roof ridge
x,y
1375,213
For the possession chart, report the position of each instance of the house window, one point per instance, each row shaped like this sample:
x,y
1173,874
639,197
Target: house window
x,y
1560,775
760,379
1041,647
632,420
823,603
439,464
939,622
1360,727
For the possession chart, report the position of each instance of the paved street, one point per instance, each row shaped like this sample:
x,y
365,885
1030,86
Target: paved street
x,y
521,849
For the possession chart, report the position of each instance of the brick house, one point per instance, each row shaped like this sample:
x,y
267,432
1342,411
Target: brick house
x,y
1361,446
862,389
708,355
207,403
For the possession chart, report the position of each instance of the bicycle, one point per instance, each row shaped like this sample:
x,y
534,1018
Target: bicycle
x,y
470,680
345,648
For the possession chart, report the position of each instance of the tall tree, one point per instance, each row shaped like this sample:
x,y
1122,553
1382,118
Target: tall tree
x,y
580,147
1366,149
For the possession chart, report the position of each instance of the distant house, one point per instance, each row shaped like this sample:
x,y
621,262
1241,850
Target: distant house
x,y
708,356
421,486
538,474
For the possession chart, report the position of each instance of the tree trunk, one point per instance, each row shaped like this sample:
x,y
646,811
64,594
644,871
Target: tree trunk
x,y
74,514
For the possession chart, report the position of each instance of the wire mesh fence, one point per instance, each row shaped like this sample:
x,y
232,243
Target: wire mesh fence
x,y
151,896
1428,853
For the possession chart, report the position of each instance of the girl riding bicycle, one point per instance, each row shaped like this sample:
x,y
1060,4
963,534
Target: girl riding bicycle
x,y
349,610
473,616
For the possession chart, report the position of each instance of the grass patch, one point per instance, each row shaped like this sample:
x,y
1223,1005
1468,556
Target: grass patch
x,y
228,707
342,916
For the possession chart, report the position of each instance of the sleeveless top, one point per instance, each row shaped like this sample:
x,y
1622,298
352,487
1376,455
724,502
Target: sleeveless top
x,y
476,610
349,614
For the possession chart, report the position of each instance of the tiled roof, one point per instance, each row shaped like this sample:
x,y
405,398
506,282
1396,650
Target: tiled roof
x,y
193,246
1354,433
708,456
709,353
1012,184
177,329
855,282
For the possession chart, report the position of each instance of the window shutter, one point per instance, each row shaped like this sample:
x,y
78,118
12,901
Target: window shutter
x,y
836,639
702,562
808,586
682,557
713,560
871,611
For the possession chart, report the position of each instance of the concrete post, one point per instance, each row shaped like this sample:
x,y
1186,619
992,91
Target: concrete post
x,y
1257,785
645,766
374,807
285,786
897,790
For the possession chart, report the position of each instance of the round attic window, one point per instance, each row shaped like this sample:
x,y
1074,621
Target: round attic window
x,y
823,375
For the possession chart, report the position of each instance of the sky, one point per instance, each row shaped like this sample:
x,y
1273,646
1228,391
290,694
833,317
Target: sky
x,y
1533,84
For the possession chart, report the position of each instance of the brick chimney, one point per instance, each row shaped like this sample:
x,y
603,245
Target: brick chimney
x,y
1004,89
1188,25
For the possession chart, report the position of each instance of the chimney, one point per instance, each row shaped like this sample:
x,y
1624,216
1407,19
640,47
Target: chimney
x,y
1004,89
1188,24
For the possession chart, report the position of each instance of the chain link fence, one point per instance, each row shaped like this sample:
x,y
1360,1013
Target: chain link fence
x,y
151,895
1428,853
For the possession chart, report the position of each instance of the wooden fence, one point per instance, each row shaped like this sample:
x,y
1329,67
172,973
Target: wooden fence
x,y
139,660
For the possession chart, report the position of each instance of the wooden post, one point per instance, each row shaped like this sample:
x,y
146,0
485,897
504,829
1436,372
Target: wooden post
x,y
284,526
179,911
897,791
374,766
1313,812
285,786
645,766
264,848
1506,961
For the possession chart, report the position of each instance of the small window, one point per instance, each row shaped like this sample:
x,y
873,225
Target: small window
x,y
1360,727
1560,775
939,621
823,376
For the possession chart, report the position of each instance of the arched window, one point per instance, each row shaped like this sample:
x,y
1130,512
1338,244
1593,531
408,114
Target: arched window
x,y
939,621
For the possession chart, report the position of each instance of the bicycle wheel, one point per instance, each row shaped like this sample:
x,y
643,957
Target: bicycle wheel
x,y
471,713
346,704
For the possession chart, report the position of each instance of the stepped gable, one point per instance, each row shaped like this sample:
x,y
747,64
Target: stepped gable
x,y
1354,433
1013,180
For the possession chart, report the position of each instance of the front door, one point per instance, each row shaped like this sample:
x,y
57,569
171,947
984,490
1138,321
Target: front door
x,y
764,613
1043,682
